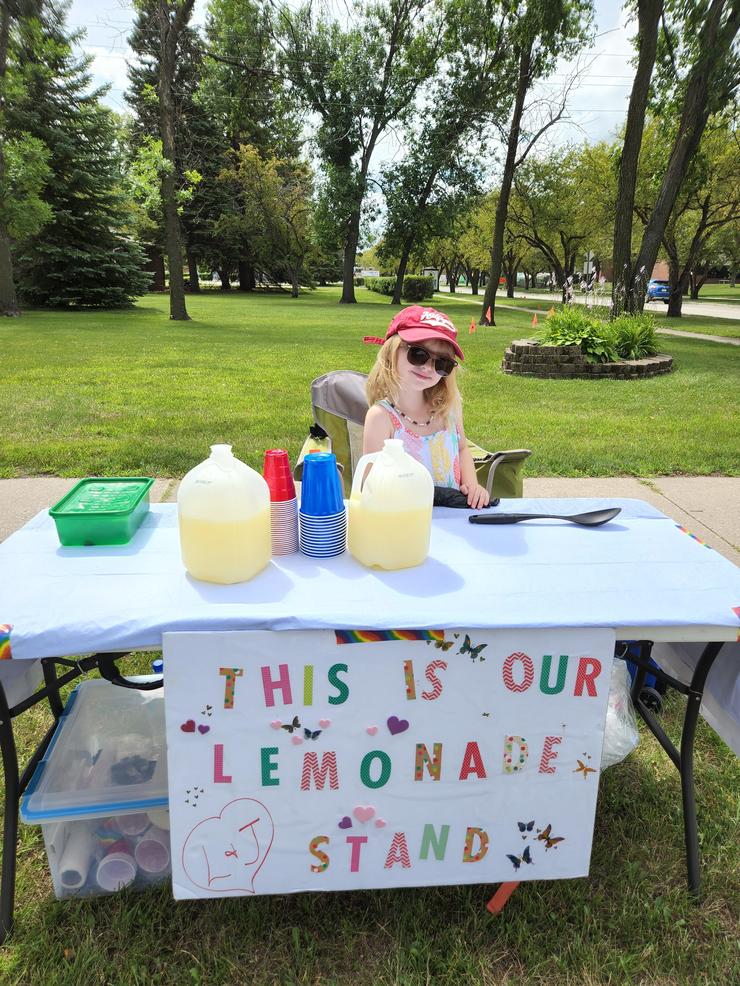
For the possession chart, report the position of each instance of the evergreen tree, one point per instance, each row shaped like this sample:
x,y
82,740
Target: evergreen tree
x,y
82,257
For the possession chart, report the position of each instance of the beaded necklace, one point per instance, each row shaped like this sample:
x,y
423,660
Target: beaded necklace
x,y
419,424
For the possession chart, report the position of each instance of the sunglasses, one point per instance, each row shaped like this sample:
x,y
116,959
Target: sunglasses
x,y
418,356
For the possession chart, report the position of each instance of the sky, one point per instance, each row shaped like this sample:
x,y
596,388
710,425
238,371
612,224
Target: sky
x,y
597,104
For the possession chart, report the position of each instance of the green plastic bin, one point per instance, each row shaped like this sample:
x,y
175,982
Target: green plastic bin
x,y
102,511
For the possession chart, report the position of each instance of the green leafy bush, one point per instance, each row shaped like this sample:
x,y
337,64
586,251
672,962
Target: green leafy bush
x,y
381,285
574,326
635,336
359,282
414,288
417,288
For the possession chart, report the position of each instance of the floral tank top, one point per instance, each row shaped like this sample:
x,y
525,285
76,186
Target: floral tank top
x,y
439,452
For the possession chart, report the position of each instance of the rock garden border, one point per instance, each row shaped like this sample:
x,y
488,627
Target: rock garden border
x,y
527,358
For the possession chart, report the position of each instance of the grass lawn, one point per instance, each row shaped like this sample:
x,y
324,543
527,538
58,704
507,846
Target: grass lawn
x,y
720,292
629,922
133,393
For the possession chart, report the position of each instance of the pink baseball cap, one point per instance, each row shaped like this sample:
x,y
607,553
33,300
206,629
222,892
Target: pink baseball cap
x,y
416,323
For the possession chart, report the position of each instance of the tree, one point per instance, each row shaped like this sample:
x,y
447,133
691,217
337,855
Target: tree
x,y
649,13
173,17
708,201
358,81
275,213
24,168
84,256
550,213
429,187
541,32
242,93
697,75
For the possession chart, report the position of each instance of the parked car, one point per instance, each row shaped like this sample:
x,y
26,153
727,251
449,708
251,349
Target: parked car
x,y
659,291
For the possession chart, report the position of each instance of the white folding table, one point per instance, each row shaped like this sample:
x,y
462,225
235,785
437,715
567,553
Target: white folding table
x,y
641,574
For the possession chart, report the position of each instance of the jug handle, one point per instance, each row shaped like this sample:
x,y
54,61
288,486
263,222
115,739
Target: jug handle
x,y
357,480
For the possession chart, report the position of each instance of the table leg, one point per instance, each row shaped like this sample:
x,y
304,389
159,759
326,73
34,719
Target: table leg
x,y
10,823
691,832
497,903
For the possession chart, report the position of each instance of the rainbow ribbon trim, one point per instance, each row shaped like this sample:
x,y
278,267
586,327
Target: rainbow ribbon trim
x,y
699,540
374,636
5,652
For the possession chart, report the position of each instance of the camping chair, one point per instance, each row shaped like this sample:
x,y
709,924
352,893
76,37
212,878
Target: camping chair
x,y
339,407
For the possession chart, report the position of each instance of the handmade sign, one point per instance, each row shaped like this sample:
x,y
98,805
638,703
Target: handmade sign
x,y
322,760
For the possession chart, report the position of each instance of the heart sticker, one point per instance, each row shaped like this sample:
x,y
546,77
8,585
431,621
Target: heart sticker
x,y
396,725
363,813
325,723
203,730
380,823
371,730
189,726
346,823
296,740
276,724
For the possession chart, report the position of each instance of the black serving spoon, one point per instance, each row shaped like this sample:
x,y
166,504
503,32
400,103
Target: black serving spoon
x,y
591,518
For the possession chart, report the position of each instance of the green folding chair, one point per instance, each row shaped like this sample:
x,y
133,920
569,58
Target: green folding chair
x,y
339,407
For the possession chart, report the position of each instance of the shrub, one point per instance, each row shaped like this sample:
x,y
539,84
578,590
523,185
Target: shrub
x,y
635,336
574,326
414,288
359,282
417,288
381,285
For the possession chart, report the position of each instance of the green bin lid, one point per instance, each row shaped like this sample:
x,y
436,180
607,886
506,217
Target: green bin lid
x,y
114,495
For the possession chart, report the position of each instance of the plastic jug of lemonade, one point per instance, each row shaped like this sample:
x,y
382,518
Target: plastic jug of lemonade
x,y
223,509
390,513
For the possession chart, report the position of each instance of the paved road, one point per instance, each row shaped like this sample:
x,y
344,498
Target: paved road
x,y
715,309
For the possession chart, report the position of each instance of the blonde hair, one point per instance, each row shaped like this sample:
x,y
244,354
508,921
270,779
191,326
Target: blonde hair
x,y
383,381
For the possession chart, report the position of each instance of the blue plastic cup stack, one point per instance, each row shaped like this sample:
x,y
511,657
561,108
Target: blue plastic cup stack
x,y
323,519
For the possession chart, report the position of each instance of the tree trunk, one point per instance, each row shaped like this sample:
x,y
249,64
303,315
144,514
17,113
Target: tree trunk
x,y
193,279
510,284
8,297
295,288
502,208
526,281
348,260
648,17
716,40
678,284
475,280
247,280
402,267
169,32
223,274
155,266
452,279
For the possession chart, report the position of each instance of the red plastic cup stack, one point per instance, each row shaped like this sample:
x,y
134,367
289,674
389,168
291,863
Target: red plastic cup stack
x,y
283,501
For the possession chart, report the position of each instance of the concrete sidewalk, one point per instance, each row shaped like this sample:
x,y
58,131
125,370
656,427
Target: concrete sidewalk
x,y
707,506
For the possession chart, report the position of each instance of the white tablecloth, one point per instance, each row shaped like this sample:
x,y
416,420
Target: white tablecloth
x,y
639,574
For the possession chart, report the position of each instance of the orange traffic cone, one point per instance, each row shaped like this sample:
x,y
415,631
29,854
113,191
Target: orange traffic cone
x,y
534,320
471,330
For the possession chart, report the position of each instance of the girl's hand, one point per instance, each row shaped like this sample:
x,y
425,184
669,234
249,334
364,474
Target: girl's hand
x,y
477,495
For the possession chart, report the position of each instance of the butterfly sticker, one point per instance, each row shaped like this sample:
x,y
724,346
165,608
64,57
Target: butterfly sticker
x,y
516,861
292,726
311,734
583,769
443,645
525,827
551,841
467,648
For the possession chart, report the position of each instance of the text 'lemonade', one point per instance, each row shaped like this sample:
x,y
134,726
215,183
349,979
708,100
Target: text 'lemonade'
x,y
223,510
390,514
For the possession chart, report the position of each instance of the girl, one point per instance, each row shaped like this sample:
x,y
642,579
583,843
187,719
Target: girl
x,y
412,393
